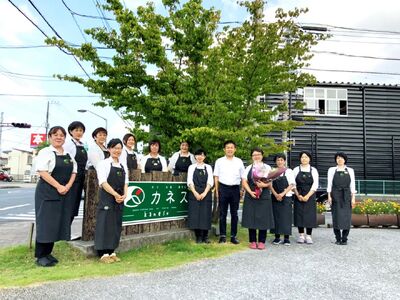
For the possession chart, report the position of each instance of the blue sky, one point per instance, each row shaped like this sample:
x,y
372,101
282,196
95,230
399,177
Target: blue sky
x,y
17,31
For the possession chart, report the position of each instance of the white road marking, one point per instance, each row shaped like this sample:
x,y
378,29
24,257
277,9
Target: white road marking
x,y
11,207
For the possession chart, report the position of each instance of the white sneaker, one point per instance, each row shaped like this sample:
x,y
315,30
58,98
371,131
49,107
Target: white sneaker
x,y
300,239
309,239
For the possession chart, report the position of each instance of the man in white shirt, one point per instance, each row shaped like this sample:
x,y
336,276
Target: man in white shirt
x,y
228,172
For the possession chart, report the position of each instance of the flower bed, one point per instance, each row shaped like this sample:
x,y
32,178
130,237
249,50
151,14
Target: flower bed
x,y
376,213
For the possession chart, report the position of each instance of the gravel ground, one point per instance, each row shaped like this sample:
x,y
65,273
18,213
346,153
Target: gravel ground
x,y
367,268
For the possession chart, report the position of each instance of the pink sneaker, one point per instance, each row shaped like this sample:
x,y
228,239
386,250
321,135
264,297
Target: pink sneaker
x,y
253,245
261,246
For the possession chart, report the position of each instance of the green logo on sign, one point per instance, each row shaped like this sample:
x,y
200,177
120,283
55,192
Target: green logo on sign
x,y
137,196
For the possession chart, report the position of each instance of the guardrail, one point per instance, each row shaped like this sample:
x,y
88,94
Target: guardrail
x,y
372,187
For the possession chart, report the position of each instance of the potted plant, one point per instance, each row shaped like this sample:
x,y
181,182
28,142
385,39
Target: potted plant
x,y
321,209
358,216
381,214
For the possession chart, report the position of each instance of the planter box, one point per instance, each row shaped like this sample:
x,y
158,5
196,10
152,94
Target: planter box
x,y
382,220
359,220
320,219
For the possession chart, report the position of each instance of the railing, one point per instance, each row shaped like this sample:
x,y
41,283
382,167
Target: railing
x,y
372,187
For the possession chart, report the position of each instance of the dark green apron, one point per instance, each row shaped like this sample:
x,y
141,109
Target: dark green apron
x,y
341,200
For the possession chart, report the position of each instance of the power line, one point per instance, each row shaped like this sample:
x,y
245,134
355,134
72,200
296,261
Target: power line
x,y
353,28
59,36
76,22
352,71
357,56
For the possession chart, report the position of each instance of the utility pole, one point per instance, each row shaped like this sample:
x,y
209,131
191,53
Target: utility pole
x,y
1,128
47,117
285,117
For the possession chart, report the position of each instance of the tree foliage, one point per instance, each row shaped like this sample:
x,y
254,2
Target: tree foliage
x,y
188,78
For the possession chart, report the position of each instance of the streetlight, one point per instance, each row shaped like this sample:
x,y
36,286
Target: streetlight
x,y
86,110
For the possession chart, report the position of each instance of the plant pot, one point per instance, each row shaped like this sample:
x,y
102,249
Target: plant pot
x,y
320,219
359,220
382,220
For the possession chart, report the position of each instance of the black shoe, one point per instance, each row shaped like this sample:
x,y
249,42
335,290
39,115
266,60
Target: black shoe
x,y
52,258
276,241
199,240
222,240
206,240
45,262
286,242
338,242
344,243
234,240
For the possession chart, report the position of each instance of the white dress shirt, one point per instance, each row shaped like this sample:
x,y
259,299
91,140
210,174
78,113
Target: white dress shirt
x,y
95,154
229,171
174,158
146,157
104,167
331,173
192,168
46,160
314,174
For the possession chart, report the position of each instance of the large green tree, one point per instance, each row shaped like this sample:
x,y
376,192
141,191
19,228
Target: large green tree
x,y
188,78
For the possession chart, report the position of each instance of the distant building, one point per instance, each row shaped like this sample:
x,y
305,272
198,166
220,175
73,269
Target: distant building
x,y
362,120
19,163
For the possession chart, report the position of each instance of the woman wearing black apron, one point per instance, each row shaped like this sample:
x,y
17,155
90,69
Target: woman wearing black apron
x,y
200,180
282,202
113,180
305,206
98,151
181,160
154,161
57,171
76,148
257,211
129,158
341,195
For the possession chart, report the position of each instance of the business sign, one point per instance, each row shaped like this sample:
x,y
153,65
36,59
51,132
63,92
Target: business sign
x,y
155,201
37,138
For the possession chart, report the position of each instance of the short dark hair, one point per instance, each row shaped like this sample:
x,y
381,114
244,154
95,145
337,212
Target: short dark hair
x,y
184,141
200,152
341,154
127,136
54,130
229,142
153,142
75,125
306,153
256,149
114,142
280,155
97,130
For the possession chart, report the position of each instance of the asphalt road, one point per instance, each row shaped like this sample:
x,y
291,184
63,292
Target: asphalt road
x,y
367,268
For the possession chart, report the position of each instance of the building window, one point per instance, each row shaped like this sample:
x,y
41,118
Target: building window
x,y
325,101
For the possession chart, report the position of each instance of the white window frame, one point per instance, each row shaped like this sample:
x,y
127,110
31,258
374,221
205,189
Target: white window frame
x,y
310,95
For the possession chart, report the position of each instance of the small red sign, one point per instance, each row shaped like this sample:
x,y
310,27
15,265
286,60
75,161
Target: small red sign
x,y
37,138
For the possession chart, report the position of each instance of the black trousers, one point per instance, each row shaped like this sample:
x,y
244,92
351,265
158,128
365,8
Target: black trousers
x,y
229,196
308,230
43,249
341,235
200,233
262,235
278,236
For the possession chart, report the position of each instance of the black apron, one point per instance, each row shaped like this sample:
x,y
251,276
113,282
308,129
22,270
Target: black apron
x,y
282,209
341,200
182,164
199,213
131,161
109,212
106,153
257,213
152,164
305,213
81,158
52,210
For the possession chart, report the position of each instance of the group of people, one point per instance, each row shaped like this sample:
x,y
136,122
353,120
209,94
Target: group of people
x,y
62,167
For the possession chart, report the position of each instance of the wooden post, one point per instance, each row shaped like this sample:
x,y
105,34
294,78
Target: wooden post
x,y
90,207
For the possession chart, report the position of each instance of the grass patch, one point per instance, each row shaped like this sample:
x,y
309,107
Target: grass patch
x,y
18,268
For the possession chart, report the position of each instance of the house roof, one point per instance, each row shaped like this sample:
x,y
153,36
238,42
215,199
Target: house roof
x,y
358,84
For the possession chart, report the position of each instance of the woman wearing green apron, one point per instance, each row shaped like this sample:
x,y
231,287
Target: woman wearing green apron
x,y
154,161
129,158
341,195
257,209
181,160
57,171
113,182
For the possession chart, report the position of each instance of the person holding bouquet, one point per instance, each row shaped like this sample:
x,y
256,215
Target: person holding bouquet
x,y
305,206
257,206
341,195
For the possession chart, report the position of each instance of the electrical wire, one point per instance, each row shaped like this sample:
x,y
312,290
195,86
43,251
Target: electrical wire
x,y
76,22
357,56
352,71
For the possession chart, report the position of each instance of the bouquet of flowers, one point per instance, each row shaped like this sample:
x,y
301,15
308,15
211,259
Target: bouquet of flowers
x,y
259,173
